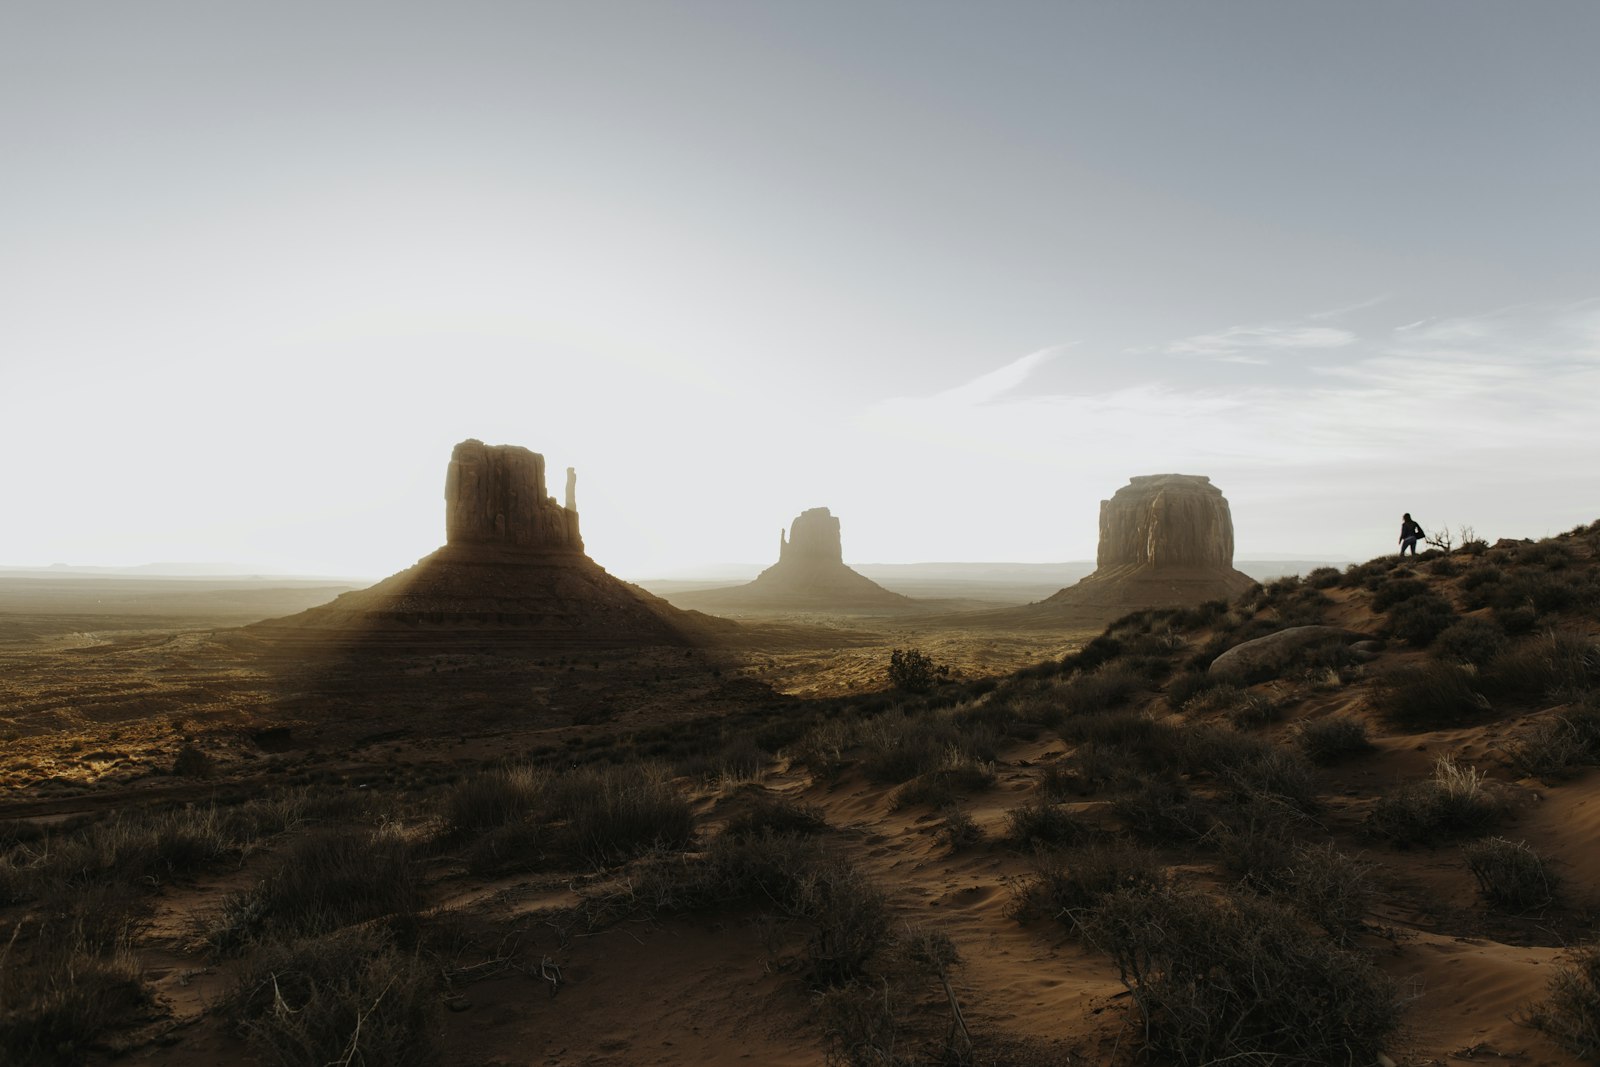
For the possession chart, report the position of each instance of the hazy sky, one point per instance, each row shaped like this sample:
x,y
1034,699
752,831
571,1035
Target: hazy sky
x,y
955,270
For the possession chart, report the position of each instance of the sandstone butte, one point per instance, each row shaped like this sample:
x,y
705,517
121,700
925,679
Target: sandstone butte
x,y
810,575
511,574
1166,541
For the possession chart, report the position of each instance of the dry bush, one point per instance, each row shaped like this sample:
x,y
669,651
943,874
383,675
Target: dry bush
x,y
616,813
322,881
1570,1012
1397,590
1333,890
192,762
1419,620
1241,979
1106,687
958,829
1163,810
344,998
1192,687
1511,875
1253,710
1039,822
941,786
772,814
1556,665
1322,577
1472,640
1067,886
1455,803
1327,741
1554,748
492,799
1429,695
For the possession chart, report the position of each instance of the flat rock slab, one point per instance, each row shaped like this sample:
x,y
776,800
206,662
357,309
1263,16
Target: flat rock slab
x,y
1275,650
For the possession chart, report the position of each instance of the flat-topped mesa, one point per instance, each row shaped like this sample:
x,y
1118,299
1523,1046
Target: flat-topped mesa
x,y
1166,520
813,538
496,495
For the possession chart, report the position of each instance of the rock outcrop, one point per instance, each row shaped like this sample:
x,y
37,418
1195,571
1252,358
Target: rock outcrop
x,y
810,575
512,572
495,495
1166,541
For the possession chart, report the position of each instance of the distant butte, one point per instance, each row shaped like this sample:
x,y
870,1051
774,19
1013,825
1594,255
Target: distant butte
x,y
810,575
1166,541
512,572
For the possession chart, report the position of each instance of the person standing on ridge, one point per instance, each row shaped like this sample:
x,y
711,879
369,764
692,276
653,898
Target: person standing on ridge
x,y
1410,533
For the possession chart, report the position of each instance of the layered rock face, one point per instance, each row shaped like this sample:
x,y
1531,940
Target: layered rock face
x,y
1166,520
495,495
511,573
1166,541
810,575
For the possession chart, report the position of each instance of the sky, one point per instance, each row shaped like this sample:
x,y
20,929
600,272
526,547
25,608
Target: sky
x,y
956,271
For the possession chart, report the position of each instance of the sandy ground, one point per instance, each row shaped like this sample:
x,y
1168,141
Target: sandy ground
x,y
93,710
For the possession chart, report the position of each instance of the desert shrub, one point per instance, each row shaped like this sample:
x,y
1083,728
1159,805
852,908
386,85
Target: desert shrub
x,y
1241,979
1322,577
1219,696
348,997
1397,590
1429,695
1570,1012
898,747
822,748
1098,652
322,881
1517,619
1327,741
1265,770
958,829
1252,710
773,814
1163,810
1191,684
1255,837
739,759
1511,875
1057,782
1543,592
1550,554
912,670
491,799
1042,823
1470,640
1444,568
1333,890
193,762
1480,576
1557,664
1554,748
1103,688
60,991
1068,885
524,845
1418,620
940,787
619,812
1455,803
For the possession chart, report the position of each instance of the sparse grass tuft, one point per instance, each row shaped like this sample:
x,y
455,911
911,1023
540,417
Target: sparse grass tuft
x,y
1327,741
348,997
1455,803
1429,695
1241,979
1042,823
1570,1012
1511,875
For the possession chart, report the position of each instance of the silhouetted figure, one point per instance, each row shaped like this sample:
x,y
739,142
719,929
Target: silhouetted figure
x,y
1410,533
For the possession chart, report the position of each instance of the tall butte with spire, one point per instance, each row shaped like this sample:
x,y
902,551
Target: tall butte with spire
x,y
810,575
1166,541
512,572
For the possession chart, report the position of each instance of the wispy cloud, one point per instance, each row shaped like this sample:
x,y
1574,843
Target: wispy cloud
x,y
997,383
1253,344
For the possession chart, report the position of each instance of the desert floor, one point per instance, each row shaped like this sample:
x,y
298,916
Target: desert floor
x,y
162,770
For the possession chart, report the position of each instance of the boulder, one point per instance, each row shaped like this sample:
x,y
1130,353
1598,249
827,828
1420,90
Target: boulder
x,y
1265,657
